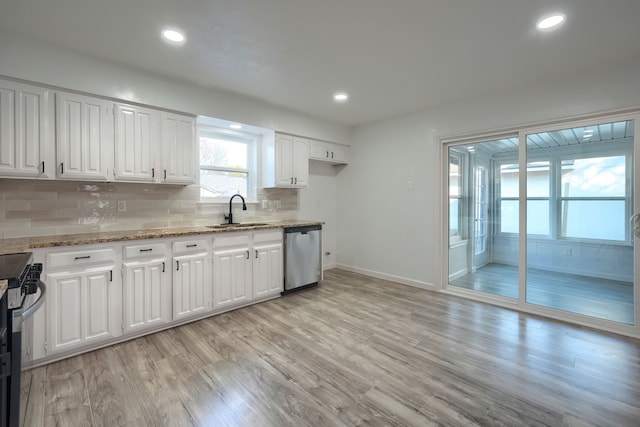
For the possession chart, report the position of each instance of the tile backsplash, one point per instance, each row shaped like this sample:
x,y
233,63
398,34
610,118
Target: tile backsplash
x,y
39,208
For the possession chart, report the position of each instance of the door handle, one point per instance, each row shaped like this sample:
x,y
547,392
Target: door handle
x,y
634,223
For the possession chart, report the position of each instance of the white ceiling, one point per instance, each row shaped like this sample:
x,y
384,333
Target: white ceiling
x,y
392,57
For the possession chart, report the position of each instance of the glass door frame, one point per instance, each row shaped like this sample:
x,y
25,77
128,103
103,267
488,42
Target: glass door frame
x,y
520,303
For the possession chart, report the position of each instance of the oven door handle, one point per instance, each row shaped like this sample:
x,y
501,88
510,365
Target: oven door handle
x,y
36,305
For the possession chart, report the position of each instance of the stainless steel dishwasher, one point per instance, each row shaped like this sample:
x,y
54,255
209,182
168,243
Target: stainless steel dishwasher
x,y
302,257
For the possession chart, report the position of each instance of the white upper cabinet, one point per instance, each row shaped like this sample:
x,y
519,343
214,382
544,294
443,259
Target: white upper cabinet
x,y
286,163
26,131
137,138
178,149
84,137
329,152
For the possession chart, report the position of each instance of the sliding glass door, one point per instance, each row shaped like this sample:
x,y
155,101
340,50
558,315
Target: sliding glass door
x,y
483,241
579,198
542,219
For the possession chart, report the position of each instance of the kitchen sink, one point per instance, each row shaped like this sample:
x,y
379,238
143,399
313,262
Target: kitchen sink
x,y
239,225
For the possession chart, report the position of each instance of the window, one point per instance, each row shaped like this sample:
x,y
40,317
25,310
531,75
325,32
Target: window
x,y
480,198
455,196
228,159
596,185
509,175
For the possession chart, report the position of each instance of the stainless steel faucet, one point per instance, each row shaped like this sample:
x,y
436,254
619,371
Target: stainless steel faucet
x,y
229,218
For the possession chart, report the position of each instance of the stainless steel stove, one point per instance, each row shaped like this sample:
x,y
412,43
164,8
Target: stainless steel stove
x,y
22,278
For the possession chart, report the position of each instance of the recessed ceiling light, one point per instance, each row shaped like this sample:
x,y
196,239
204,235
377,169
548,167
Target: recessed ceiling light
x,y
235,126
340,97
173,36
550,22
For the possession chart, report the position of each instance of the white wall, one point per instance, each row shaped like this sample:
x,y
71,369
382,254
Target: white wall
x,y
319,202
392,232
40,63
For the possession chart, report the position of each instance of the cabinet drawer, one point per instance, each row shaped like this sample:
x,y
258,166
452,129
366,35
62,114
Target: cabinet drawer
x,y
144,251
81,257
268,236
189,246
231,239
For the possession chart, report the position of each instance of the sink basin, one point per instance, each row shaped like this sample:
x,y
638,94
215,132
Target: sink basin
x,y
240,225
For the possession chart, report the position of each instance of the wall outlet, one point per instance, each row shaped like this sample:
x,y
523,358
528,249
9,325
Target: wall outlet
x,y
568,252
278,204
410,186
122,206
265,204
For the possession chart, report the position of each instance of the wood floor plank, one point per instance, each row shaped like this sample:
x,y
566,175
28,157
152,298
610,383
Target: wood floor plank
x,y
355,351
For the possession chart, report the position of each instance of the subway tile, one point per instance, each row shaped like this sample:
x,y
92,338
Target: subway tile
x,y
30,232
11,214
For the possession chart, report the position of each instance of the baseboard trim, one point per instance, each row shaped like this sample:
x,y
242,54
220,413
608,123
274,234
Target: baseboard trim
x,y
398,279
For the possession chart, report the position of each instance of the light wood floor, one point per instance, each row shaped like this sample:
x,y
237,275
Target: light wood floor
x,y
601,298
355,351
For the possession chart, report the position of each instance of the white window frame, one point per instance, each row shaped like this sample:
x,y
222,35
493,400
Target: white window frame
x,y
249,134
461,236
555,199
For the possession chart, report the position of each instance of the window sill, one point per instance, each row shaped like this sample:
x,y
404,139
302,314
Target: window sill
x,y
226,202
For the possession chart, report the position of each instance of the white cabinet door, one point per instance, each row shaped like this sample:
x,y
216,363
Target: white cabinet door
x,y
300,162
268,279
191,285
284,161
291,161
26,131
146,294
84,307
231,277
137,135
84,137
328,152
179,162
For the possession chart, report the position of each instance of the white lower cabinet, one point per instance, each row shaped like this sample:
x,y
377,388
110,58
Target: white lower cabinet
x,y
231,270
146,286
191,278
84,299
97,293
268,264
247,267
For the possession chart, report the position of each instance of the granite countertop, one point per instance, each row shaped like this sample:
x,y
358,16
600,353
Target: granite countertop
x,y
24,244
3,287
